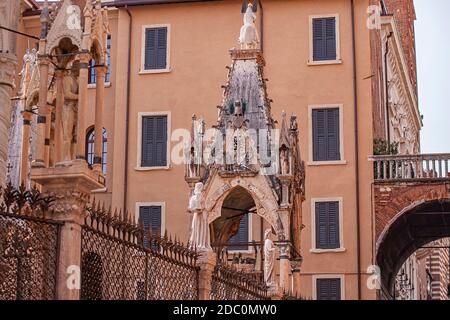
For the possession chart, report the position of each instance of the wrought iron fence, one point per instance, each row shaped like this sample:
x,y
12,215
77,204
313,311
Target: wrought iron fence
x,y
229,284
28,246
117,266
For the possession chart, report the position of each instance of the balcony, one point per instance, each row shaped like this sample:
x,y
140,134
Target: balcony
x,y
406,168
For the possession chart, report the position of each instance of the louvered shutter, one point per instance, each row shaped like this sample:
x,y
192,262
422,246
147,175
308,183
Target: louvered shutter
x,y
155,220
150,48
155,48
333,145
324,39
150,217
335,289
154,141
241,236
160,151
321,225
144,218
333,225
319,43
319,135
327,225
326,135
148,141
161,51
330,36
328,289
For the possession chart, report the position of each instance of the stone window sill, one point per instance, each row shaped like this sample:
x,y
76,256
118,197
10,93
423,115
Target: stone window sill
x,y
321,251
325,62
93,85
327,163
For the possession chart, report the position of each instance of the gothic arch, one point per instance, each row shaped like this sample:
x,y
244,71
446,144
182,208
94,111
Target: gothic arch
x,y
265,201
98,52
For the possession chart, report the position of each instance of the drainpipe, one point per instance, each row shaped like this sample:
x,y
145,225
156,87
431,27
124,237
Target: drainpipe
x,y
386,83
127,117
261,26
355,104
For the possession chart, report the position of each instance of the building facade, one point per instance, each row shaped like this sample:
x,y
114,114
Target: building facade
x,y
345,68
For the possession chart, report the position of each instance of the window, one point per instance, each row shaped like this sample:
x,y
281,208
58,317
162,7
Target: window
x,y
324,39
324,46
327,225
241,237
326,134
328,289
92,79
90,140
154,141
150,217
156,48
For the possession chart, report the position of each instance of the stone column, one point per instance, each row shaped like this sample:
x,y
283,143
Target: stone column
x,y
207,263
295,269
99,107
8,64
59,75
82,105
284,265
39,160
25,165
48,128
70,187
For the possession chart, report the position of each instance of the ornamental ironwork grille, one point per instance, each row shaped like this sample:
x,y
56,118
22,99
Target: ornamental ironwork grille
x,y
229,284
115,264
28,246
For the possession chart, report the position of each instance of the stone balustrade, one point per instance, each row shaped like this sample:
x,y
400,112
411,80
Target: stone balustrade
x,y
411,167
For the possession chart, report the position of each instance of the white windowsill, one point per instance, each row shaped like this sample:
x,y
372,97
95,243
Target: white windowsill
x,y
319,251
249,251
327,163
139,168
94,85
325,62
155,71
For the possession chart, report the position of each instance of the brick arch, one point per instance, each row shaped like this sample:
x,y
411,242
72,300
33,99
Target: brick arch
x,y
407,217
392,199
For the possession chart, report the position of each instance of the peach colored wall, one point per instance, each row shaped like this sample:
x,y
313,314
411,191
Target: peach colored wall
x,y
201,34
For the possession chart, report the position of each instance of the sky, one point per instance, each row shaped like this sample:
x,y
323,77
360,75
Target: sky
x,y
433,63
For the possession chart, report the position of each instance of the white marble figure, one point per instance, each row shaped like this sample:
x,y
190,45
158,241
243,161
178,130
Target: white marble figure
x,y
249,38
200,237
69,112
269,259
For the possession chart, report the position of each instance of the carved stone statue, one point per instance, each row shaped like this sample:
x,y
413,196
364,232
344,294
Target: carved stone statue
x,y
200,237
192,164
195,200
249,38
294,124
69,112
284,160
269,259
